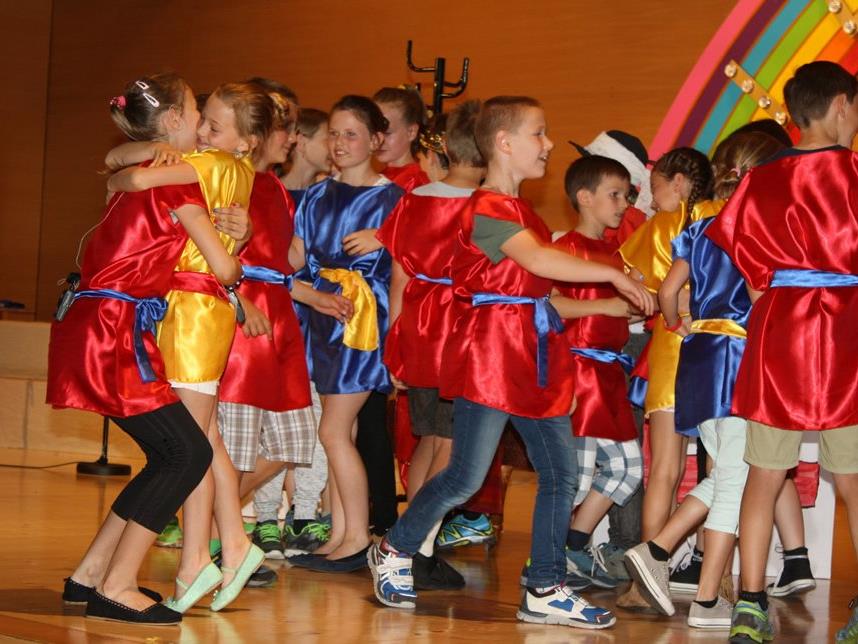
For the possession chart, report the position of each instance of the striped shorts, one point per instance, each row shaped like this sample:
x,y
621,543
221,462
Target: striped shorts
x,y
613,469
283,436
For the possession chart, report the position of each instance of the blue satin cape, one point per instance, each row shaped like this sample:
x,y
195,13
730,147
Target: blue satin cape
x,y
708,363
329,211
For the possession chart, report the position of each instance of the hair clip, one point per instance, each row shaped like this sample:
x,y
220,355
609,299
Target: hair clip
x,y
118,101
154,102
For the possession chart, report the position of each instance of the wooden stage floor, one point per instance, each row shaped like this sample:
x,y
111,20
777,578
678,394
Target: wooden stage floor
x,y
50,515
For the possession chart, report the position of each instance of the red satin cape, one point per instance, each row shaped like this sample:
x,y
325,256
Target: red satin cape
x,y
799,212
264,372
603,409
420,234
91,363
490,357
407,177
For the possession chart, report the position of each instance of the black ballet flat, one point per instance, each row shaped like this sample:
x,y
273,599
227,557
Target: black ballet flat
x,y
351,563
100,607
75,593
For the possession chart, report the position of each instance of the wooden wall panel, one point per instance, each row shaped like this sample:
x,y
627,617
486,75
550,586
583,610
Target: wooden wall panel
x,y
24,46
594,65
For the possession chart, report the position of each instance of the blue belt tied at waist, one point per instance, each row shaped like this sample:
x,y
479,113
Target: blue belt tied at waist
x,y
147,311
809,278
605,355
265,274
545,319
434,280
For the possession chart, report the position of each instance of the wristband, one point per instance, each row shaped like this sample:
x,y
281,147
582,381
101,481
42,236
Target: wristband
x,y
673,327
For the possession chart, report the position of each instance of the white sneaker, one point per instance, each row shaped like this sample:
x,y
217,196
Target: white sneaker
x,y
563,607
391,577
719,616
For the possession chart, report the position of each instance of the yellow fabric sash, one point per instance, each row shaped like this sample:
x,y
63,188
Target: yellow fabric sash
x,y
361,330
719,326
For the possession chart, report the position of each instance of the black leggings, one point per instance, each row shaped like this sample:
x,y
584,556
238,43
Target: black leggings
x,y
376,451
178,454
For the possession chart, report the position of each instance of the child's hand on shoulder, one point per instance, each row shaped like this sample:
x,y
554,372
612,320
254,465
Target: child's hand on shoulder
x,y
164,154
361,242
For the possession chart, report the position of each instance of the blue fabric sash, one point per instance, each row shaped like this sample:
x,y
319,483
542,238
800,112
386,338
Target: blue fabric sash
x,y
637,391
809,278
604,355
545,319
147,311
434,280
267,275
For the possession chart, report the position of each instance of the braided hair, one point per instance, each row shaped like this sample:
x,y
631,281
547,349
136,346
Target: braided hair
x,y
695,167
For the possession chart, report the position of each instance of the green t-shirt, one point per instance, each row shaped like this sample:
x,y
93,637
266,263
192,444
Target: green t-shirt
x,y
490,234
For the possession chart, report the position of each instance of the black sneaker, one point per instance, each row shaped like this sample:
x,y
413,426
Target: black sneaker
x,y
266,535
795,577
433,573
686,576
262,578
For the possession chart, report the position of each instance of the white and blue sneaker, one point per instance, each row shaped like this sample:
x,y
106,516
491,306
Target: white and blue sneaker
x,y
391,577
588,563
573,580
561,606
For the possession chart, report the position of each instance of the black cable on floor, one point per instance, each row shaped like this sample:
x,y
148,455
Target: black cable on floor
x,y
37,467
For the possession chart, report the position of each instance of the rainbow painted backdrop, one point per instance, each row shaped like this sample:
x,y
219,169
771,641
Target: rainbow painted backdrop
x,y
769,39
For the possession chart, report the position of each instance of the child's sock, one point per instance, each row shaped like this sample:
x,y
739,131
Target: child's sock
x,y
577,540
759,597
427,548
658,553
471,516
709,603
299,524
795,552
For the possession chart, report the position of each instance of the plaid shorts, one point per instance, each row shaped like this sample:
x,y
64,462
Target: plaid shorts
x,y
283,436
611,468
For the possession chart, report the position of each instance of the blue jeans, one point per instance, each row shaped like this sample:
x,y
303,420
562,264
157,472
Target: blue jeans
x,y
477,431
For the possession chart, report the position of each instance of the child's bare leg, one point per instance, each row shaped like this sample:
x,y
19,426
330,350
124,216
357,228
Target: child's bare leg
x,y
91,569
227,504
788,517
197,510
592,510
667,463
691,512
337,430
338,517
440,455
265,469
719,548
847,488
421,461
755,525
120,580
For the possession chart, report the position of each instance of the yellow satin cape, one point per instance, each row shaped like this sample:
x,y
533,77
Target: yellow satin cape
x,y
196,333
649,251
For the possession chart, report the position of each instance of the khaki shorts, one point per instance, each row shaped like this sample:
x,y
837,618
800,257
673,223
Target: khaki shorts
x,y
777,449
